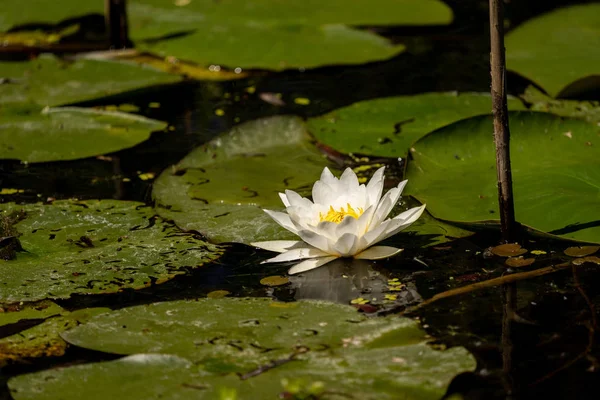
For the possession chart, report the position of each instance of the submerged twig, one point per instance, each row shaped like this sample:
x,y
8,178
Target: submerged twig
x,y
502,280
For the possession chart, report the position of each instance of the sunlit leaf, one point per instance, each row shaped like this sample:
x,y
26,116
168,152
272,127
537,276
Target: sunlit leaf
x,y
95,247
558,49
555,167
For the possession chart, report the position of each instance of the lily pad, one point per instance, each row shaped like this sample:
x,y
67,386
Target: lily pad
x,y
43,340
586,110
256,33
387,127
305,341
260,33
67,133
49,81
219,188
556,173
95,247
29,311
566,39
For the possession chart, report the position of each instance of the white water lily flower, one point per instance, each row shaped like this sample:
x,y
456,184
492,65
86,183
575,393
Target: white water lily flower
x,y
344,219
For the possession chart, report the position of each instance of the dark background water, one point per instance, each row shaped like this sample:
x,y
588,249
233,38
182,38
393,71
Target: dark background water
x,y
555,352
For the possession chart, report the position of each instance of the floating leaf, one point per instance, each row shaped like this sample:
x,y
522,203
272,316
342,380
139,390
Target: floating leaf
x,y
219,189
16,312
43,340
95,247
199,353
556,174
517,262
49,81
581,251
259,33
508,250
567,39
68,133
388,127
275,280
586,110
588,259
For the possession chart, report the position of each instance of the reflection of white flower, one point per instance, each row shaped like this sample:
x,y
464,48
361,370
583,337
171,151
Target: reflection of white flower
x,y
344,220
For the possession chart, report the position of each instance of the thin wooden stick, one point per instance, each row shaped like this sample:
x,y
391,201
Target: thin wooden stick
x,y
115,14
502,280
500,114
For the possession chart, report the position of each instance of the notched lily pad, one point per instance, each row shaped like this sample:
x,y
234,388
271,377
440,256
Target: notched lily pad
x,y
567,39
95,247
556,173
262,342
581,251
387,127
68,133
220,188
276,280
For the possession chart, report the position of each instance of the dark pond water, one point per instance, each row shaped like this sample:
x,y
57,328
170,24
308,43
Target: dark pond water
x,y
551,335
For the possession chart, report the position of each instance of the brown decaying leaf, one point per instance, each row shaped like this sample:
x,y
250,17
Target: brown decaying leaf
x,y
517,262
581,251
508,250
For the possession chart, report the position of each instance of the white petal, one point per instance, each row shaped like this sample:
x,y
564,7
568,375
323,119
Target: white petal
x,y
388,202
391,226
316,240
296,200
349,181
297,254
375,187
348,225
284,199
282,219
346,245
322,193
364,221
310,264
279,246
378,252
327,177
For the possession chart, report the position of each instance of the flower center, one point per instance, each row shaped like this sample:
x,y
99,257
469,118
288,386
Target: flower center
x,y
338,216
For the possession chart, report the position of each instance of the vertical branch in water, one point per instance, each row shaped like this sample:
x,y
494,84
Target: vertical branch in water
x,y
500,113
505,193
115,14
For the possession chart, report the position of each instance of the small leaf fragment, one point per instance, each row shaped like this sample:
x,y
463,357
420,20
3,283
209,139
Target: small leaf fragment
x,y
581,251
508,250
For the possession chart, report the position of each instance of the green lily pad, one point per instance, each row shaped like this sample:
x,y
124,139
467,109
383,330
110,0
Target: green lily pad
x,y
371,358
219,188
49,81
67,133
260,33
39,310
141,376
256,33
43,340
39,12
387,127
586,110
95,247
555,166
566,39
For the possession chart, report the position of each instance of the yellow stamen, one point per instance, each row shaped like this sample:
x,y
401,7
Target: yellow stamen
x,y
338,216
